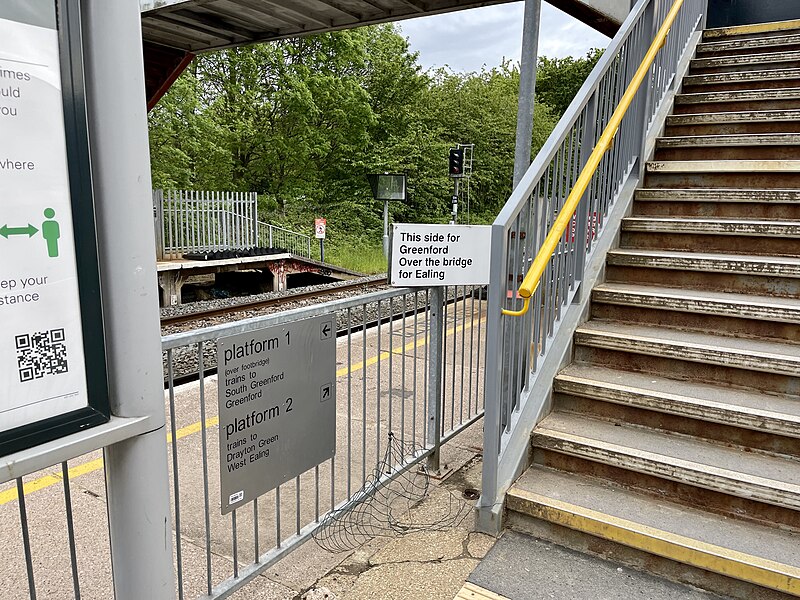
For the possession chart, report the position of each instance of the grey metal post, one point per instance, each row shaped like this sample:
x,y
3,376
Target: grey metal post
x,y
489,513
255,219
455,201
158,213
435,364
136,469
527,87
386,229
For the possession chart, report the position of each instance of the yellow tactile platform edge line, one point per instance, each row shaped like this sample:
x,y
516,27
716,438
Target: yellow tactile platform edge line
x,y
754,28
731,563
470,591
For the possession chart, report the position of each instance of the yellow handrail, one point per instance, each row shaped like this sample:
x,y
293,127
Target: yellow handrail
x,y
534,275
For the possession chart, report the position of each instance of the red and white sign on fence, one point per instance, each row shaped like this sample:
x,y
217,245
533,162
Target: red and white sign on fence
x,y
319,228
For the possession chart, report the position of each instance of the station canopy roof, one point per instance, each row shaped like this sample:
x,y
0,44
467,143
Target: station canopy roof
x,y
202,25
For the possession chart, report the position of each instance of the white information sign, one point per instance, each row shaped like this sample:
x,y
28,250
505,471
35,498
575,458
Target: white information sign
x,y
41,342
426,255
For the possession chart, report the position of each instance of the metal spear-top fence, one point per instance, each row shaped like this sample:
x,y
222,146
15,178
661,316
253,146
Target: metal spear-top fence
x,y
189,221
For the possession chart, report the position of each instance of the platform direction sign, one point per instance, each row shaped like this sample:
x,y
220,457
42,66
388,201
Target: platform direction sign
x,y
277,406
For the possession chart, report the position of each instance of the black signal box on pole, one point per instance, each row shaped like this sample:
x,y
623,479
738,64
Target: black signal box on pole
x,y
456,162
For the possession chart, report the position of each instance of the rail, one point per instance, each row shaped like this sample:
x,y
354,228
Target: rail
x,y
534,275
549,240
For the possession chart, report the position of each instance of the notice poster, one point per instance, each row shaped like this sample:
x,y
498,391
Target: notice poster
x,y
42,371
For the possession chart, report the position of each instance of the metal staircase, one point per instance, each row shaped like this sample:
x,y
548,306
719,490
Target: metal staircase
x,y
674,438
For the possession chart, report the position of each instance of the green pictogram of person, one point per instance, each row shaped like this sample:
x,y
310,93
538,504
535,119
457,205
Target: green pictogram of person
x,y
51,232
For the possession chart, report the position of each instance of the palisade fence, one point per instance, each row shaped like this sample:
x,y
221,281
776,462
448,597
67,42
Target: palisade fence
x,y
202,221
409,362
517,347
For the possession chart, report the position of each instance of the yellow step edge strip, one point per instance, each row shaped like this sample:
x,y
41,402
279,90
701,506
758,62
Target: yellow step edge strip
x,y
470,591
754,28
731,563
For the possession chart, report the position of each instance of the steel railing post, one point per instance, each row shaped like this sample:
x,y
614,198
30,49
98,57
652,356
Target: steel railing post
x,y
158,213
436,368
583,221
650,27
488,515
137,480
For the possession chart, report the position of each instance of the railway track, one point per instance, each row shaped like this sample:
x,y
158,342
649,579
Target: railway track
x,y
222,311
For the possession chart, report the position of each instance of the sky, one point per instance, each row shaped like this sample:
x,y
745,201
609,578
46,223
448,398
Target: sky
x,y
470,39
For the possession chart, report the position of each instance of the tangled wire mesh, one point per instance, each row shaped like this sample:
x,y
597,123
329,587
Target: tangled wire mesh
x,y
383,506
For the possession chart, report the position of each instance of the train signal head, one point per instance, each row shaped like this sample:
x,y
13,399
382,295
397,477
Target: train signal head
x,y
456,162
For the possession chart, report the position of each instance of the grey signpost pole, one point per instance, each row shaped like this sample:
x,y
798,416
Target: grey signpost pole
x,y
435,360
386,229
527,87
136,469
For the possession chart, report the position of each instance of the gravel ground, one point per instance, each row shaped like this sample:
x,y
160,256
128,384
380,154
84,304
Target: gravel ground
x,y
191,307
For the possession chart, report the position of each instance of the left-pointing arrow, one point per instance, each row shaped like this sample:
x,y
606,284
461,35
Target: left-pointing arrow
x,y
6,231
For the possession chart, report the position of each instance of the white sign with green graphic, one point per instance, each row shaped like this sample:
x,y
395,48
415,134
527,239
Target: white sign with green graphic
x,y
41,344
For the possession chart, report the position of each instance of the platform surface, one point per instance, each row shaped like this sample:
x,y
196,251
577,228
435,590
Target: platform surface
x,y
520,567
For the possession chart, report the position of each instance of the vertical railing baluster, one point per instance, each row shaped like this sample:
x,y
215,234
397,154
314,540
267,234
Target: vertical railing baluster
x,y
73,558
26,540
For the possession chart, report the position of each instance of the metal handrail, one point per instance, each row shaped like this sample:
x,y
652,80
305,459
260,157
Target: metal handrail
x,y
604,144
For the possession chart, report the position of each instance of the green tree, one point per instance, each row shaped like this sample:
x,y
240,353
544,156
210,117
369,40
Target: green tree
x,y
559,79
188,149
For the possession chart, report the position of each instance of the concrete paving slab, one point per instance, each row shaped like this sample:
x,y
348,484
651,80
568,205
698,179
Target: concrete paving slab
x,y
520,567
400,581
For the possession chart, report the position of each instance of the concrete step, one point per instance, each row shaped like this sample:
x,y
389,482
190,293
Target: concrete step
x,y
737,101
733,123
755,45
697,310
775,204
745,174
644,530
732,227
730,195
764,146
767,266
741,353
758,476
686,399
717,235
744,306
743,62
763,79
756,30
717,141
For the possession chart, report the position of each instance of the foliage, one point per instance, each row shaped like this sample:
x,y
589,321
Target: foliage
x,y
559,79
303,121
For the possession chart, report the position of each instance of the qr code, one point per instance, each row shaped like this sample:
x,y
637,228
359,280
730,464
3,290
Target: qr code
x,y
41,353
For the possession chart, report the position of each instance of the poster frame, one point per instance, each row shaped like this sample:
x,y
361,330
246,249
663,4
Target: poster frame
x,y
76,130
